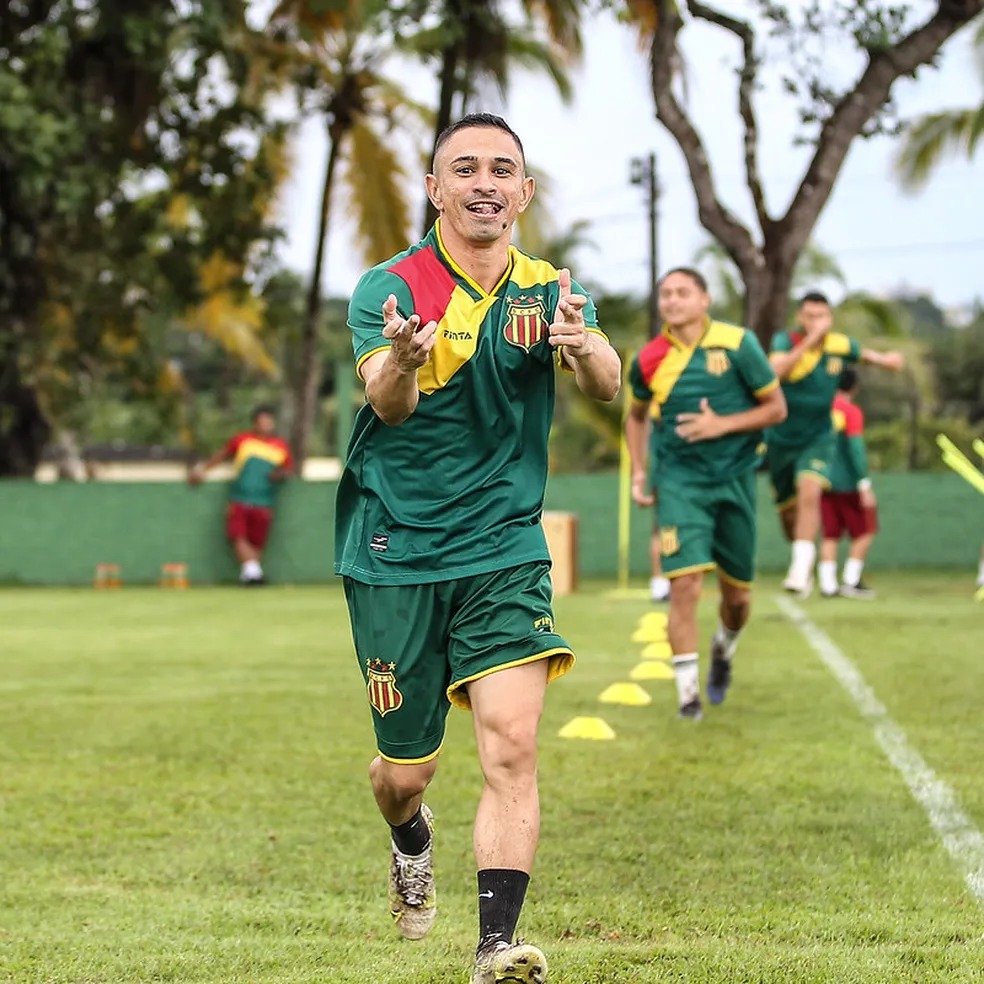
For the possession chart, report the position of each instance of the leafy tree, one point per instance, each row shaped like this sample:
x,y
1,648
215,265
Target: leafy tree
x,y
887,46
340,52
137,174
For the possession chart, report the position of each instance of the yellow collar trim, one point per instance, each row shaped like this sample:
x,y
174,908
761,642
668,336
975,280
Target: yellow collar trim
x,y
446,256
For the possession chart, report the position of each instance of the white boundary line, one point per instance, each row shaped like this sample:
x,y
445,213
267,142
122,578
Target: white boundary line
x,y
962,840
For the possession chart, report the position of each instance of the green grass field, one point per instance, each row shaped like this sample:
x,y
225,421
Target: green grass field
x,y
183,798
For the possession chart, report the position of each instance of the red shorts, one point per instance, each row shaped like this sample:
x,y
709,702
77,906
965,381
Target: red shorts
x,y
249,523
842,512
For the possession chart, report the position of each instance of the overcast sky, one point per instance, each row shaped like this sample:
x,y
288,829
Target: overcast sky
x,y
883,239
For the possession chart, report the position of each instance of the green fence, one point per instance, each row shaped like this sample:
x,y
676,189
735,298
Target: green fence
x,y
56,534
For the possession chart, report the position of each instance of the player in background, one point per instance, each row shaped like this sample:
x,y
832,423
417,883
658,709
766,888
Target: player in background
x,y
849,505
261,461
808,360
642,495
438,535
716,392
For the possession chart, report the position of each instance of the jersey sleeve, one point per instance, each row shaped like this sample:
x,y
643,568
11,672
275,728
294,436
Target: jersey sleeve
x,y
365,313
640,388
849,349
858,455
754,367
287,464
232,445
781,342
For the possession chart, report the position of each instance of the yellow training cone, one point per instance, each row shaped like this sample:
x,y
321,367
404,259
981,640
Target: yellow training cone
x,y
594,729
653,670
653,618
625,693
657,650
649,633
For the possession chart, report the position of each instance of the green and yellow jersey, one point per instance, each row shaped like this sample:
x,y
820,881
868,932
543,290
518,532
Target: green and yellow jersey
x,y
728,367
810,386
254,457
457,489
849,464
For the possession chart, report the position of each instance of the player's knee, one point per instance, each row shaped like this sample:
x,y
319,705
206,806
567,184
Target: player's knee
x,y
402,781
685,591
509,748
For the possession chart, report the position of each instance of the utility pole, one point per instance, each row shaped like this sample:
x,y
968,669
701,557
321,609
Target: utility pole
x,y
643,172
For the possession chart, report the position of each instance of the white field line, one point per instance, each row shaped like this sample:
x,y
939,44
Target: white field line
x,y
962,840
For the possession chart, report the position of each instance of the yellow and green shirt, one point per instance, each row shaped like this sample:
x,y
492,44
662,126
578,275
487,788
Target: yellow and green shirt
x,y
456,489
254,457
728,367
810,387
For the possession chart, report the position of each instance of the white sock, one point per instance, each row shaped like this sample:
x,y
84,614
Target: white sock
x,y
687,677
727,639
980,575
852,571
659,586
251,570
804,554
827,569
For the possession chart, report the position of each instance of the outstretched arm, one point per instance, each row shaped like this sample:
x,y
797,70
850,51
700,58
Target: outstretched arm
x,y
893,361
391,376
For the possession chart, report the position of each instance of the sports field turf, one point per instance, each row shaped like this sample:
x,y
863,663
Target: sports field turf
x,y
183,798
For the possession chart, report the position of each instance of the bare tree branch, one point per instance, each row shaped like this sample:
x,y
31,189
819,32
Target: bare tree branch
x,y
857,108
746,86
714,216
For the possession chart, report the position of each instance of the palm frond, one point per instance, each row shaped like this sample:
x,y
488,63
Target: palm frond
x,y
378,202
933,137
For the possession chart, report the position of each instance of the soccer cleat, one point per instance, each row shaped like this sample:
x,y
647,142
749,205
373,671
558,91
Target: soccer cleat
x,y
830,594
797,586
719,679
412,893
859,590
510,963
692,710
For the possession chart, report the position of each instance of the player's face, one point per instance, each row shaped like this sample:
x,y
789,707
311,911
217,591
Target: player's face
x,y
265,424
682,302
815,317
479,185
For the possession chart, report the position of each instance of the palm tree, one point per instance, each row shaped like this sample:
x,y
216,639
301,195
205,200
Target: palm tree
x,y
476,44
340,55
937,135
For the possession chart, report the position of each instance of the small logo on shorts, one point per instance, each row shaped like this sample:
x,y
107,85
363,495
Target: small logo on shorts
x,y
379,542
717,362
669,542
543,624
383,694
817,465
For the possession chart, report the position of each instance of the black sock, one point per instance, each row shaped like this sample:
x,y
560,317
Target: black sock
x,y
413,836
500,898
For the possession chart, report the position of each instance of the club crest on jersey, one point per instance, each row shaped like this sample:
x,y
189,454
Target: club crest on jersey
x,y
717,362
525,324
383,693
835,365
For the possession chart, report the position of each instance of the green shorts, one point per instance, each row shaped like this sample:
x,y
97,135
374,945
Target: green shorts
x,y
419,646
705,526
787,464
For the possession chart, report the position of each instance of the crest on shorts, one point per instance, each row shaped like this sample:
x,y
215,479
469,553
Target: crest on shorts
x,y
669,542
717,362
525,324
835,365
383,693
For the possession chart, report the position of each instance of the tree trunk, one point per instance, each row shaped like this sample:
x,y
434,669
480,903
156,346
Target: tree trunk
x,y
24,430
308,373
767,287
449,87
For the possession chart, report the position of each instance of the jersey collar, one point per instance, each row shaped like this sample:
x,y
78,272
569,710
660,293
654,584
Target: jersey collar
x,y
679,343
446,258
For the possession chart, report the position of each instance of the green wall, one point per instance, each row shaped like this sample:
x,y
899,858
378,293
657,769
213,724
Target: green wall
x,y
56,534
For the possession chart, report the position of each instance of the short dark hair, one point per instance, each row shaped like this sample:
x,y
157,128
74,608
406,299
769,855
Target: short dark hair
x,y
847,380
478,120
262,408
695,275
813,297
